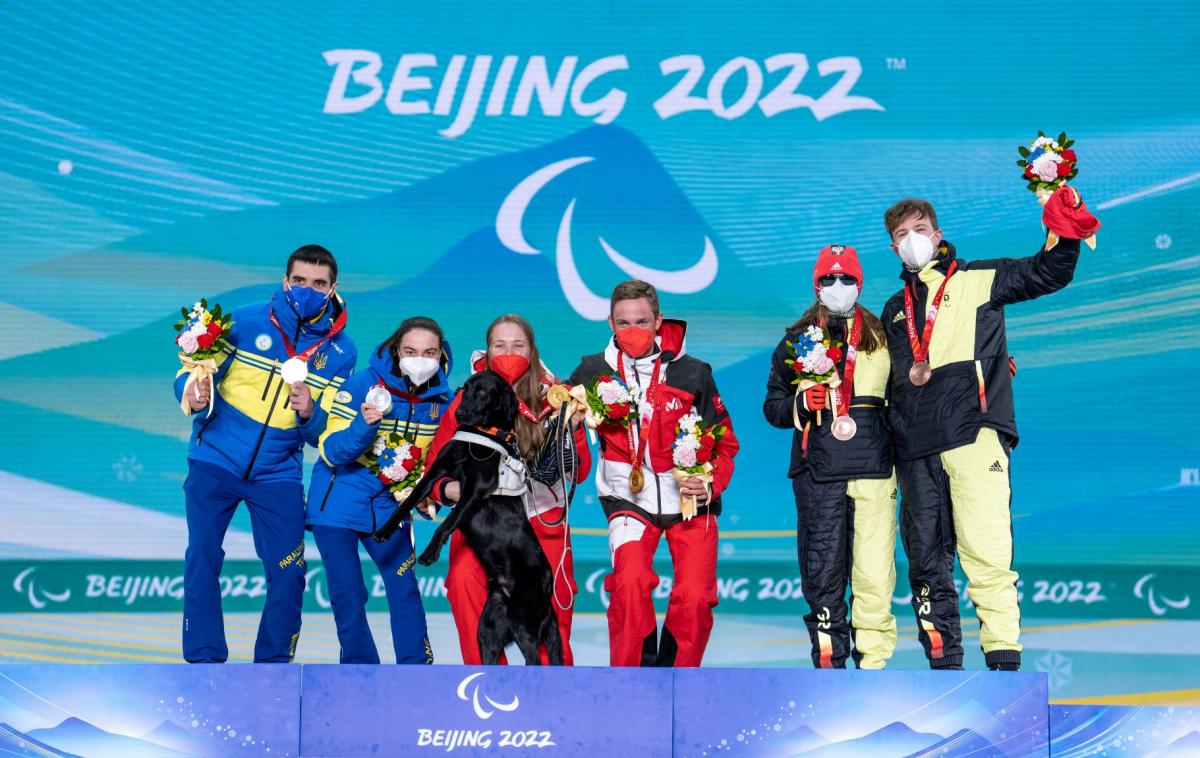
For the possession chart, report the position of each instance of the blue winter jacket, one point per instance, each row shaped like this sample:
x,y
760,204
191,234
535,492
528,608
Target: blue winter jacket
x,y
343,491
252,432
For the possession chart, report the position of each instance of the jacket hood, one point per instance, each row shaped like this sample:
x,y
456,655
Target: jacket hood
x,y
671,340
382,364
317,327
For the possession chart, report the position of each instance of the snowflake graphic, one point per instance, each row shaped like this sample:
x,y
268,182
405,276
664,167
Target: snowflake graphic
x,y
128,468
1057,668
1162,241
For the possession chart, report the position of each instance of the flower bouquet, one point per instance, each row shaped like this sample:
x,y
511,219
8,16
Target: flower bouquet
x,y
692,452
1048,164
397,461
201,338
814,357
607,400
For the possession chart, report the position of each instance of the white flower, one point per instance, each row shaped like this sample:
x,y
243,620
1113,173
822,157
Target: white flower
x,y
689,442
634,392
684,457
197,329
688,422
197,307
820,365
610,393
1045,168
187,342
814,333
404,452
380,445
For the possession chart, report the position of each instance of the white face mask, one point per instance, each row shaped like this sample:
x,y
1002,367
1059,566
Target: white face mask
x,y
916,250
418,369
839,297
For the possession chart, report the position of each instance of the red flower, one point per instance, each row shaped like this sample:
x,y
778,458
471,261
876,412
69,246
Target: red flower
x,y
708,442
415,452
834,353
384,478
1029,171
214,329
1068,156
797,366
1064,168
619,411
704,455
205,341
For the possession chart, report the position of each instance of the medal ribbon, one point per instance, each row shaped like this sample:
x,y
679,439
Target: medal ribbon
x,y
920,348
846,390
536,418
338,324
637,452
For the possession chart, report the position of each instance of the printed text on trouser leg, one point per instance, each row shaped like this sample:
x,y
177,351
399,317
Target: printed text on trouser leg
x,y
935,637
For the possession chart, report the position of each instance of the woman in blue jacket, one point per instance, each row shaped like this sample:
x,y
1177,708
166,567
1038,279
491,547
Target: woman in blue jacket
x,y
346,502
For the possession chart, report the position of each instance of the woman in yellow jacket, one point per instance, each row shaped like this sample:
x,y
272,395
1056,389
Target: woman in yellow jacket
x,y
841,468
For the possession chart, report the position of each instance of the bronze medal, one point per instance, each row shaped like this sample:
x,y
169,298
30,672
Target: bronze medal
x,y
920,373
844,428
637,480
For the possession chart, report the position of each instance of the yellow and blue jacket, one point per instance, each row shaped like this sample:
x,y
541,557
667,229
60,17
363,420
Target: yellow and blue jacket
x,y
343,492
252,432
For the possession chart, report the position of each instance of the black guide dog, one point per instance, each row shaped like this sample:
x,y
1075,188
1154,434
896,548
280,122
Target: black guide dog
x,y
520,581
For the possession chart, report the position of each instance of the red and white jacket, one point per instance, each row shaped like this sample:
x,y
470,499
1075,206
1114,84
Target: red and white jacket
x,y
684,384
543,498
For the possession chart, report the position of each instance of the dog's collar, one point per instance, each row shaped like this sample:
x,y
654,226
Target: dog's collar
x,y
500,440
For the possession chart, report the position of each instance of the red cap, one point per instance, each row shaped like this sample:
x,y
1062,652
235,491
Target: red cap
x,y
837,259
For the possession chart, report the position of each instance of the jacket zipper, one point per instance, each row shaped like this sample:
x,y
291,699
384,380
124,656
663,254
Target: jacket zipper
x,y
332,479
270,410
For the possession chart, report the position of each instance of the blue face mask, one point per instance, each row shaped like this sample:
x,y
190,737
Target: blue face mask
x,y
306,301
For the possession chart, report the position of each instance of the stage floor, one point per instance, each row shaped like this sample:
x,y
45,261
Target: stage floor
x,y
1140,662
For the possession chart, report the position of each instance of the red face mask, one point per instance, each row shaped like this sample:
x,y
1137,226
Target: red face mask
x,y
510,366
635,340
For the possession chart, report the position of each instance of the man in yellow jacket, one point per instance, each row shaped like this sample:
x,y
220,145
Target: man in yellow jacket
x,y
951,413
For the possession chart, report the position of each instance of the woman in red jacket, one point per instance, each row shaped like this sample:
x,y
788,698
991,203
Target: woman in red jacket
x,y
512,353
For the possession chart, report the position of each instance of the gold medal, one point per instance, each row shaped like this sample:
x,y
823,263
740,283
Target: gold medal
x,y
920,373
557,395
637,480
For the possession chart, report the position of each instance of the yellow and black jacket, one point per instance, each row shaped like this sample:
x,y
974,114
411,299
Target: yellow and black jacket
x,y
971,385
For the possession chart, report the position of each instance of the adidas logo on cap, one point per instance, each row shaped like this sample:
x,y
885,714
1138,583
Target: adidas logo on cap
x,y
996,467
836,267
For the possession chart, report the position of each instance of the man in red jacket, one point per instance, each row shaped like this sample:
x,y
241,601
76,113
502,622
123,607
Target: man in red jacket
x,y
641,497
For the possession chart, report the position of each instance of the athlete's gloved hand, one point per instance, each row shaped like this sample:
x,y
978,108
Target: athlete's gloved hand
x,y
1067,215
815,398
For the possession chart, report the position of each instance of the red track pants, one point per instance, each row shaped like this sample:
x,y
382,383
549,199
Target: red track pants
x,y
632,627
466,587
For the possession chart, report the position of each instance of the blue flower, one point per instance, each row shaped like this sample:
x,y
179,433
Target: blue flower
x,y
387,457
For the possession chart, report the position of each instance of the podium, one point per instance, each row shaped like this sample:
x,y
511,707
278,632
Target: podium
x,y
328,710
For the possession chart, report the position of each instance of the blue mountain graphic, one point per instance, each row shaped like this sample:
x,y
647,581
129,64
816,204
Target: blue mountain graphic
x,y
895,739
78,736
966,742
1187,746
15,742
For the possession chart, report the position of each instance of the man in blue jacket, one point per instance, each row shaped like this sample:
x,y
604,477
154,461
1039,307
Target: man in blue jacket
x,y
249,449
